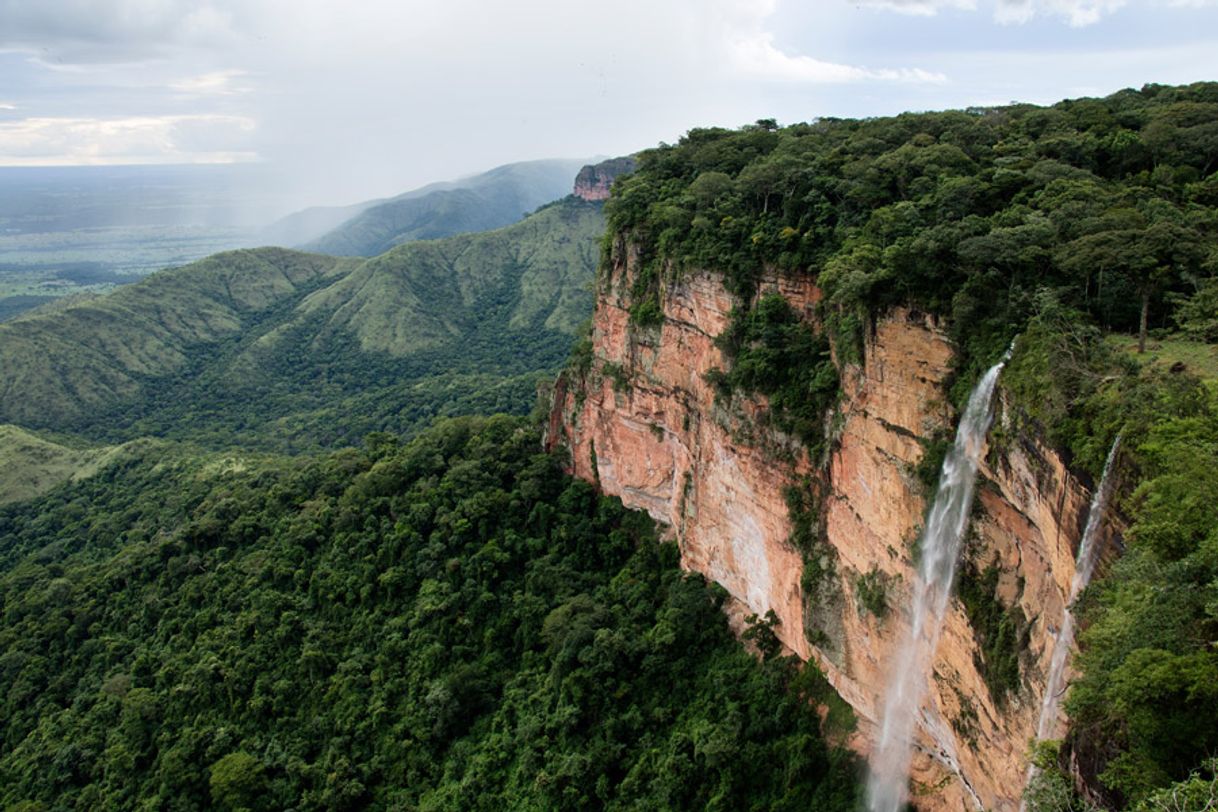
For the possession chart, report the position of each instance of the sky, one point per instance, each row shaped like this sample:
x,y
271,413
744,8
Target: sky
x,y
343,101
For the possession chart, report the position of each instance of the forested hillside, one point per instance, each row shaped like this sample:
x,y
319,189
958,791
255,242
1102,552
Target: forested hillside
x,y
278,349
491,200
1086,231
75,360
449,624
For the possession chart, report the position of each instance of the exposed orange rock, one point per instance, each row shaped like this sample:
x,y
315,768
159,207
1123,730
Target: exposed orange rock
x,y
645,424
595,180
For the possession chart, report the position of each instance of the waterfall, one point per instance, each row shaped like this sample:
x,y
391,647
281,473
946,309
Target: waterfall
x,y
940,547
1084,568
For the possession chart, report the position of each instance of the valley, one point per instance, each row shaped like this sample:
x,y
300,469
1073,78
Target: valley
x,y
281,349
755,473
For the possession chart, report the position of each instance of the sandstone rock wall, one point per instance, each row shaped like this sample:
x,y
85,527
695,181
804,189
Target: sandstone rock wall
x,y
595,180
644,423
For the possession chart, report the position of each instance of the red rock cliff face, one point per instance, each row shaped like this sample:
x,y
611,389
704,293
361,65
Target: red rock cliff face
x,y
595,180
643,423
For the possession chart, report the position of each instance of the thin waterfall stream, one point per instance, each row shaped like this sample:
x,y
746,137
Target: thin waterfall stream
x,y
1088,556
887,786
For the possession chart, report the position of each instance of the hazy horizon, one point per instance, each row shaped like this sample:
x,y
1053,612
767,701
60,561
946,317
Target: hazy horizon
x,y
335,106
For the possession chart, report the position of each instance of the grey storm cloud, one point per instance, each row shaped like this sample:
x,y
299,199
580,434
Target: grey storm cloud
x,y
98,31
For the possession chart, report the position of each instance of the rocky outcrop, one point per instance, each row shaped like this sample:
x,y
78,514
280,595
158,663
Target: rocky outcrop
x,y
595,180
642,421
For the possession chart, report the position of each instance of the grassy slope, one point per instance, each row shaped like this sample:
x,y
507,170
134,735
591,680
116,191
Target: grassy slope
x,y
30,466
1198,357
281,349
61,365
534,273
486,201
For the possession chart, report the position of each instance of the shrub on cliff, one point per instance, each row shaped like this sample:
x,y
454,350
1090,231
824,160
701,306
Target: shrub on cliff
x,y
772,351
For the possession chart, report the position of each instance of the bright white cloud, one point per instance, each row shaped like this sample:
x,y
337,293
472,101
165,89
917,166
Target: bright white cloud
x,y
921,8
214,83
132,140
7,106
1078,13
753,53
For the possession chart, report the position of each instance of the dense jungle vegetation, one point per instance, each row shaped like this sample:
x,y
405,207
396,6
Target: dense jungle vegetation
x,y
1090,230
968,213
448,624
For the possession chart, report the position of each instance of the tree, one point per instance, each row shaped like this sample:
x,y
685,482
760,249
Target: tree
x,y
236,781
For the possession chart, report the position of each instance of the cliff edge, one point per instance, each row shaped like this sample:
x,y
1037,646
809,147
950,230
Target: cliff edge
x,y
641,417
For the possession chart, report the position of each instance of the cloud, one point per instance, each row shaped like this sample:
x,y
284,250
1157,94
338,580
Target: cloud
x,y
1078,13
113,31
756,56
368,98
131,140
753,53
921,8
215,83
7,106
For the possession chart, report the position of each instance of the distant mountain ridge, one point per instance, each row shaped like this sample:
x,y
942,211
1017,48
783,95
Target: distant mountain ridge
x,y
312,223
256,345
489,200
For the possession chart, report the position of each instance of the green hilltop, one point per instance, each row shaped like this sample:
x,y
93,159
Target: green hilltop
x,y
65,364
271,347
31,465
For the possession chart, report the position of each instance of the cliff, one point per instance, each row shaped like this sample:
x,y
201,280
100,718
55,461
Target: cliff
x,y
595,180
641,420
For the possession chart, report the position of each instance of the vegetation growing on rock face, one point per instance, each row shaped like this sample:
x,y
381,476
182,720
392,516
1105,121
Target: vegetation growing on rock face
x,y
872,590
772,351
1143,708
1001,631
1090,230
967,214
448,624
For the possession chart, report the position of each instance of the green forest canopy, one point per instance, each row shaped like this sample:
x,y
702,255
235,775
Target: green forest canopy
x,y
969,214
451,624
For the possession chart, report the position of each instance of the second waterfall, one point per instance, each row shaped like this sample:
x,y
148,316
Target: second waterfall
x,y
940,547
